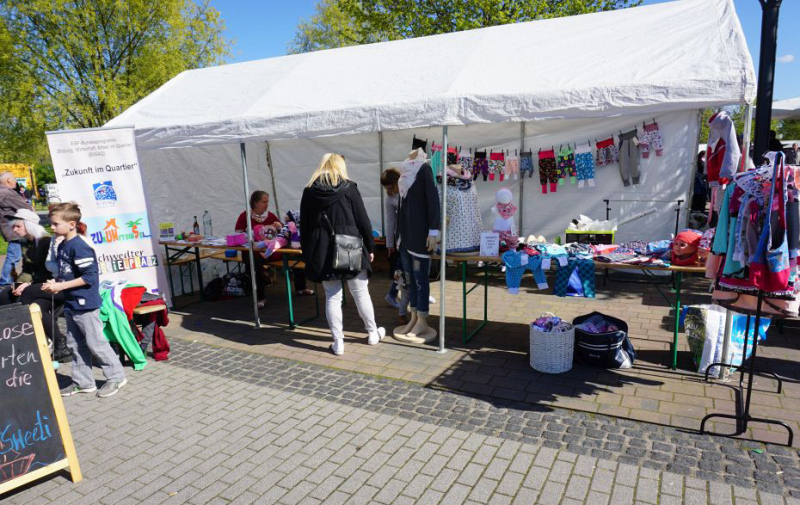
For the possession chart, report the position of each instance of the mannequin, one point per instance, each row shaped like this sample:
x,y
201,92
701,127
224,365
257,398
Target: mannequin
x,y
418,223
504,222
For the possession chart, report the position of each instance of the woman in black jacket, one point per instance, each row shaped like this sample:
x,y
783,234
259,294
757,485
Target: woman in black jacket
x,y
329,194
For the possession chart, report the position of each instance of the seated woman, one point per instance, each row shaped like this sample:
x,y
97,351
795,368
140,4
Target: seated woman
x,y
28,286
260,216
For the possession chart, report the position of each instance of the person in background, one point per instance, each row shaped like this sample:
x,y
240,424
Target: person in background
x,y
700,193
78,279
260,215
36,244
332,204
774,143
10,202
389,179
792,155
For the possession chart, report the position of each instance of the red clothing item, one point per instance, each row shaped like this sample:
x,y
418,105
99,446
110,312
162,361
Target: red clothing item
x,y
241,223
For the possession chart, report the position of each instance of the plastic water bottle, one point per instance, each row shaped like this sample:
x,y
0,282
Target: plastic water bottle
x,y
207,224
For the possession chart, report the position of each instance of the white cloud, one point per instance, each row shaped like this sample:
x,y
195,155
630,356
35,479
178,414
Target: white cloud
x,y
786,58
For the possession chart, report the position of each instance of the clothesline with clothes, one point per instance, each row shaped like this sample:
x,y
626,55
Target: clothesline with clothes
x,y
573,161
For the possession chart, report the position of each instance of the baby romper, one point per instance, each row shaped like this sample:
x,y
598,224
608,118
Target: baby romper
x,y
526,164
512,167
436,158
553,252
481,165
629,158
465,158
651,139
585,272
548,171
535,266
607,153
566,165
584,163
515,269
497,165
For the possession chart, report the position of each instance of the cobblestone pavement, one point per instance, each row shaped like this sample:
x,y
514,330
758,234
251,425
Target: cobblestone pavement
x,y
218,425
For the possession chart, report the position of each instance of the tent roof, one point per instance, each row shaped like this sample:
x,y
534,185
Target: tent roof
x,y
786,109
670,56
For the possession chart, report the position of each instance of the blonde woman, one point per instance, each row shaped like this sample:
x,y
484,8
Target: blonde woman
x,y
331,203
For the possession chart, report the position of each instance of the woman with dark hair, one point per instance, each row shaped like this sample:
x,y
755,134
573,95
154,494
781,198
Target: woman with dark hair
x,y
261,216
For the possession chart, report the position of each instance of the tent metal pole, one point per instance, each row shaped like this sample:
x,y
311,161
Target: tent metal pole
x,y
443,267
748,126
766,76
521,179
380,172
256,319
272,177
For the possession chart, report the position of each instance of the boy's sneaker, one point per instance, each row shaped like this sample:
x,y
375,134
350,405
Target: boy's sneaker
x,y
377,336
392,301
110,388
74,389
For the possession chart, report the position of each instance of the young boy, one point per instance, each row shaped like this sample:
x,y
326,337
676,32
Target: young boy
x,y
78,278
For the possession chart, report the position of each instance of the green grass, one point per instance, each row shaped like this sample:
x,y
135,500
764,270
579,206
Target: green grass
x,y
3,246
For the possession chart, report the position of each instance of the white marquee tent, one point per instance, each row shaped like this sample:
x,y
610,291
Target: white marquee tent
x,y
786,109
536,84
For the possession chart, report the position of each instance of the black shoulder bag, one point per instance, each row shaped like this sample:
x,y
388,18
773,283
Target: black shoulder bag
x,y
347,250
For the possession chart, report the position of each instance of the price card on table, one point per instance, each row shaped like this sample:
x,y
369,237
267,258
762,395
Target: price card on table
x,y
166,231
490,243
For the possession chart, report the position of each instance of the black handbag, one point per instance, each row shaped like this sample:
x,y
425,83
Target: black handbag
x,y
606,350
347,250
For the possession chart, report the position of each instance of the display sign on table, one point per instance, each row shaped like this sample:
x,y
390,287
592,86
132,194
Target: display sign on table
x,y
34,435
490,243
99,169
166,231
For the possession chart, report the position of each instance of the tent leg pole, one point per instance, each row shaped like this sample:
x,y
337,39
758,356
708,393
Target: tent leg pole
x,y
521,179
380,172
272,176
748,126
253,281
443,267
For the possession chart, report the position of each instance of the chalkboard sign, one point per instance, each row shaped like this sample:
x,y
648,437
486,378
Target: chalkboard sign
x,y
34,436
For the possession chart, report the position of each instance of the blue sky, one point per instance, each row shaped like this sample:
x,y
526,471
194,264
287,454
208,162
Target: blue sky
x,y
262,29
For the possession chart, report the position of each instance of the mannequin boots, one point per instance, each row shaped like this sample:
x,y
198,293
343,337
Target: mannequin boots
x,y
403,329
419,331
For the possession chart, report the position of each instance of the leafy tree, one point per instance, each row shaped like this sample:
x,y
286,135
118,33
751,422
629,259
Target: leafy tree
x,y
789,129
340,23
79,63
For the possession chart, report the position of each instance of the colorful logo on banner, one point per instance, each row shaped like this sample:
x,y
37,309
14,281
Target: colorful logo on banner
x,y
104,194
115,229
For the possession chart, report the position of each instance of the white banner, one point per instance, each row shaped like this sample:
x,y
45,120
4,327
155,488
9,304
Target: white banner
x,y
99,170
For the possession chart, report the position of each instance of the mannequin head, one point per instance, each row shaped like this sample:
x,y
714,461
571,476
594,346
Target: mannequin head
x,y
684,248
504,207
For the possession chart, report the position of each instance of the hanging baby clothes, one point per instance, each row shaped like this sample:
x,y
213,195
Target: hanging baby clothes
x,y
464,224
566,165
465,158
526,164
584,164
607,152
516,264
497,166
723,153
651,139
629,158
480,165
548,171
436,158
512,167
419,144
452,155
585,272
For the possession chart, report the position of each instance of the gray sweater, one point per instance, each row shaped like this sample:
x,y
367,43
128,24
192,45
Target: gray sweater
x,y
390,205
10,202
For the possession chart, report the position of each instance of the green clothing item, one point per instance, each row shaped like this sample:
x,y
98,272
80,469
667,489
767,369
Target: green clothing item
x,y
116,327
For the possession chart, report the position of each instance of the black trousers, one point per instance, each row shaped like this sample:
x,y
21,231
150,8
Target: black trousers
x,y
261,279
46,301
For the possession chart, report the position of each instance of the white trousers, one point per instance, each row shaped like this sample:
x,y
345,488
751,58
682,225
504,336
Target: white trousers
x,y
359,290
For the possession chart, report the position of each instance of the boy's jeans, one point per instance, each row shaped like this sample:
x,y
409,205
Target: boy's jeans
x,y
85,338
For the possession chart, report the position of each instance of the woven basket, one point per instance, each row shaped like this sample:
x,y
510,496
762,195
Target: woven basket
x,y
552,352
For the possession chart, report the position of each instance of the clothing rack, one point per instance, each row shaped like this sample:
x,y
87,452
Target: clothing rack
x,y
744,393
